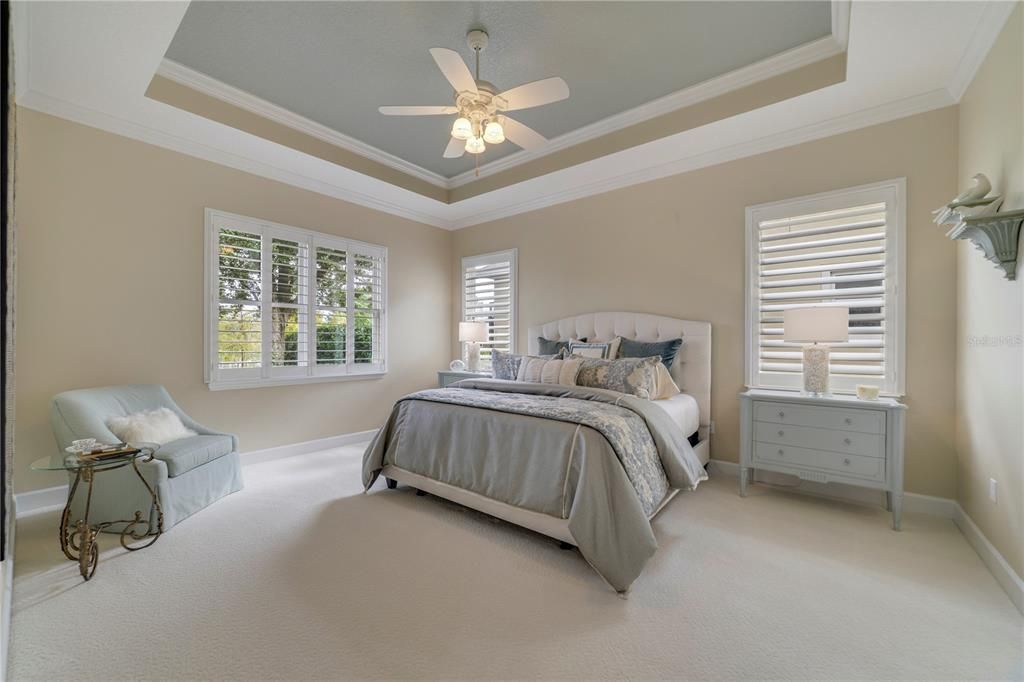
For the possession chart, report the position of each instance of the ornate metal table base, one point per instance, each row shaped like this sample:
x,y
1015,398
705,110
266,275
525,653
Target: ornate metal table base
x,y
78,540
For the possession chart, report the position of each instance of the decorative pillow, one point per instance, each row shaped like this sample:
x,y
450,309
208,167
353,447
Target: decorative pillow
x,y
605,350
551,347
549,371
633,376
154,426
505,365
666,384
645,349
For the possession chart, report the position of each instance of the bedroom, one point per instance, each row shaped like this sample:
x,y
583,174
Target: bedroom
x,y
145,137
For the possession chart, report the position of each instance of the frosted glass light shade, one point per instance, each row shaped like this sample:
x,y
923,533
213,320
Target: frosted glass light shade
x,y
494,133
475,145
462,129
473,331
816,325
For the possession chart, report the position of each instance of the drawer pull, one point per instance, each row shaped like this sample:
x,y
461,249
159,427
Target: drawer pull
x,y
781,433
846,461
847,441
848,420
781,453
781,415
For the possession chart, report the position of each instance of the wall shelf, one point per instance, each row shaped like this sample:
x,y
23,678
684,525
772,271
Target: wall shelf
x,y
997,236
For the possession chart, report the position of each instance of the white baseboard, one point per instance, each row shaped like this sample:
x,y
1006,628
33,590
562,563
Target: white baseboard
x,y
912,502
49,499
305,447
40,501
996,562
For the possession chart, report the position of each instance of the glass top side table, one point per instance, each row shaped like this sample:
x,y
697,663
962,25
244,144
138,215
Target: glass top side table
x,y
78,539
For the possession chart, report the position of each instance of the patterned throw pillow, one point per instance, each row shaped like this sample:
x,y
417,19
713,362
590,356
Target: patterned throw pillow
x,y
629,348
633,376
549,371
505,365
605,350
552,347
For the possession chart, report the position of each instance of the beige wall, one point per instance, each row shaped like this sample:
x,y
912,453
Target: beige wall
x,y
675,247
990,309
110,277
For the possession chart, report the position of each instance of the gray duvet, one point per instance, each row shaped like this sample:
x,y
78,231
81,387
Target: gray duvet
x,y
600,459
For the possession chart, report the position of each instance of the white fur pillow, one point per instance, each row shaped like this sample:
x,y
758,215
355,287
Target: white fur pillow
x,y
154,426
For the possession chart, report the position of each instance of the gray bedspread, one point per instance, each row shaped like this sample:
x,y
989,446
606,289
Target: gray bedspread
x,y
602,460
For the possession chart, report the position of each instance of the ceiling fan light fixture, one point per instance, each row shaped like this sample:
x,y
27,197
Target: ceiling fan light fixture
x,y
462,129
494,133
475,145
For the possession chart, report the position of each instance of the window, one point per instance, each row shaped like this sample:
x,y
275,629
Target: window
x,y
489,295
841,248
286,305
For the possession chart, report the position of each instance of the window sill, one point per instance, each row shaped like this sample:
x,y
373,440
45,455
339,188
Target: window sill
x,y
292,381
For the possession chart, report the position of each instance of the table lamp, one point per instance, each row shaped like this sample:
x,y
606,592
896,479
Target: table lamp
x,y
816,326
473,334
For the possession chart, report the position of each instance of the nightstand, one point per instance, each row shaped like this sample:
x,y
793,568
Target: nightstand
x,y
446,377
825,439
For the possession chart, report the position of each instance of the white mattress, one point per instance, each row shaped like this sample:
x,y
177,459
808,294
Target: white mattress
x,y
683,410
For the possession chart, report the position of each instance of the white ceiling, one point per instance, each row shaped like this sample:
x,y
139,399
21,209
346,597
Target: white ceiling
x,y
336,62
92,62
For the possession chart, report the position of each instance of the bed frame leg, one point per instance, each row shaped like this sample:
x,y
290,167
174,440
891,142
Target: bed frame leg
x,y
392,483
565,545
419,493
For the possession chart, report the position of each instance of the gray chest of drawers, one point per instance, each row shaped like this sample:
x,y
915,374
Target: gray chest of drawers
x,y
824,439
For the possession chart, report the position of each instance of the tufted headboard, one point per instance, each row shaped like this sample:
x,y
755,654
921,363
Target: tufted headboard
x,y
692,366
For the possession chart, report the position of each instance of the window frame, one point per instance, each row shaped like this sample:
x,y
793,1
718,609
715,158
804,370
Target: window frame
x,y
506,255
894,194
218,379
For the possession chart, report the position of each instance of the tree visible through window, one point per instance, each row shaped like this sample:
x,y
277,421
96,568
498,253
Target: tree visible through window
x,y
291,304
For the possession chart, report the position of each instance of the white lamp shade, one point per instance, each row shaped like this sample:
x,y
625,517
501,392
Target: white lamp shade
x,y
816,324
473,331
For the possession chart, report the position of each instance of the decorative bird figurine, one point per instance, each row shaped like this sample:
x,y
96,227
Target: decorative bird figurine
x,y
981,208
980,187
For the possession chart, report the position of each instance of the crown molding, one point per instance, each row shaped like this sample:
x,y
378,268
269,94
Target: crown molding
x,y
935,99
789,60
113,124
841,22
776,65
990,24
212,87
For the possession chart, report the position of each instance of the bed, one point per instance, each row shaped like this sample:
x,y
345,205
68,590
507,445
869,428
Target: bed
x,y
586,466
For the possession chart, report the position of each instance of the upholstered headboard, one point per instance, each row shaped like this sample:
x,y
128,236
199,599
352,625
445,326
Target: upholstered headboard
x,y
692,366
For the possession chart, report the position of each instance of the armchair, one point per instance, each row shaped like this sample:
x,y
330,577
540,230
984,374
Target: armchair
x,y
188,474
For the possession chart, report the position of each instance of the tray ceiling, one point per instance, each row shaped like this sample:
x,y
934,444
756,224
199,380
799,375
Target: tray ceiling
x,y
335,63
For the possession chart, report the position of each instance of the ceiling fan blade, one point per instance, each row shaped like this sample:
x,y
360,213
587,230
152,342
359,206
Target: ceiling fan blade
x,y
536,93
524,136
417,111
455,148
454,69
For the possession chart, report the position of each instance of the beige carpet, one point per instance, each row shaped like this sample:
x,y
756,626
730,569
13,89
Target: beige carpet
x,y
302,577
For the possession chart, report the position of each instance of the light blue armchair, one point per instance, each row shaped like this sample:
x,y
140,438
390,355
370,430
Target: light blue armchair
x,y
187,474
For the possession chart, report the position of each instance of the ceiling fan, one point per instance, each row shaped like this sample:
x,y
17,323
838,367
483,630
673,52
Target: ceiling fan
x,y
480,107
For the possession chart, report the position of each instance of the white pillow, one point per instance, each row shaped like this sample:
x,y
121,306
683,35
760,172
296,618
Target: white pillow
x,y
666,385
545,371
154,426
602,350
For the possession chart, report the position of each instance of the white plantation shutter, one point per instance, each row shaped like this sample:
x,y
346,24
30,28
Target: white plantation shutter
x,y
837,249
489,295
289,305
